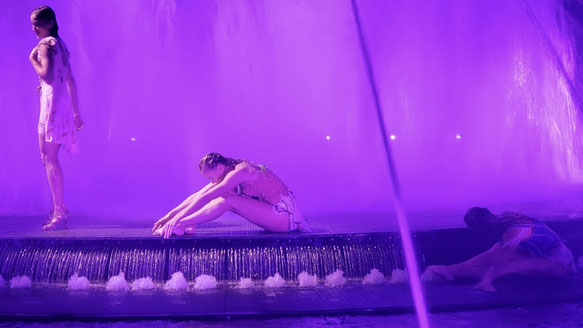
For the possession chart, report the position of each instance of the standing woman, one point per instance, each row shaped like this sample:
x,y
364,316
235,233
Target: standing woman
x,y
59,111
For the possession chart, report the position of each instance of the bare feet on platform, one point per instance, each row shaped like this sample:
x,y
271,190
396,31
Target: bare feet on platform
x,y
177,231
442,270
49,218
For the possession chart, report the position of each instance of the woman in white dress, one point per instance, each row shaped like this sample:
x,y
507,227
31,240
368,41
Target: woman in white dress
x,y
59,111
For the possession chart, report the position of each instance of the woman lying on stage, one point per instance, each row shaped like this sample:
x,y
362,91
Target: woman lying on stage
x,y
527,247
247,189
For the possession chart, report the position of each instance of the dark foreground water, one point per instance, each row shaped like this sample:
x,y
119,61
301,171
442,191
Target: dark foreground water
x,y
557,315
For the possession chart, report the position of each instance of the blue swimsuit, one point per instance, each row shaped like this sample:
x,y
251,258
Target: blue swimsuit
x,y
542,241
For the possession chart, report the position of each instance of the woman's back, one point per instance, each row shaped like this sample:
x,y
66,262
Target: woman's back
x,y
266,186
56,110
59,61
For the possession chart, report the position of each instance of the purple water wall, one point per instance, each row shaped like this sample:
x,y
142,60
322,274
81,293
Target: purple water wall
x,y
481,104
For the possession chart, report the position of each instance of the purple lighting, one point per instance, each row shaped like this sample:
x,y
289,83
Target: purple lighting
x,y
386,118
249,80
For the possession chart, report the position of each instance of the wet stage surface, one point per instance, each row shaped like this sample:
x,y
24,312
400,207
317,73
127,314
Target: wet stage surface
x,y
563,208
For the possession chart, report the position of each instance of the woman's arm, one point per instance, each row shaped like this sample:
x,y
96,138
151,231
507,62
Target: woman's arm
x,y
510,241
72,88
180,210
231,180
41,60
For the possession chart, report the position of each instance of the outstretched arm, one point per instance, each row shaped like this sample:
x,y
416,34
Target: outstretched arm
x,y
181,209
231,180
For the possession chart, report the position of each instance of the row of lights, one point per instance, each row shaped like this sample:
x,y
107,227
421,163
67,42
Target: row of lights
x,y
393,137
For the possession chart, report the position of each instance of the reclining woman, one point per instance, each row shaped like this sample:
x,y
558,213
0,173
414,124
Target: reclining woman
x,y
247,189
527,247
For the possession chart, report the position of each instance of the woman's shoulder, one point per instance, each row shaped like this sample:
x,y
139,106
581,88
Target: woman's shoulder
x,y
251,166
517,217
50,41
249,170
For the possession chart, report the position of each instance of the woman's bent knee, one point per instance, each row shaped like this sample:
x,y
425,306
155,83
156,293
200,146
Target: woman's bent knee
x,y
49,161
221,202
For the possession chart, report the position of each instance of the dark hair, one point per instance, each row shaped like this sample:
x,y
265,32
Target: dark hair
x,y
481,220
45,15
211,160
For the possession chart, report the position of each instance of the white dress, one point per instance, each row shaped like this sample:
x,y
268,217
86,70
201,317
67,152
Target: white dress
x,y
56,110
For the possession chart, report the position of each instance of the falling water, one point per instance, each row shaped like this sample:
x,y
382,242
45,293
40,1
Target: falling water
x,y
138,263
54,264
355,258
193,262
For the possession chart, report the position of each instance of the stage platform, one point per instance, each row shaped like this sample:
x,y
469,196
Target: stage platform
x,y
231,248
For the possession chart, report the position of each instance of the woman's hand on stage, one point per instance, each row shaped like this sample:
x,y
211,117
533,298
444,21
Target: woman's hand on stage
x,y
160,223
169,228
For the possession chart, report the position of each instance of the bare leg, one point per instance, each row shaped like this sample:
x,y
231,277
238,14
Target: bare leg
x,y
181,210
208,212
528,266
256,212
472,268
49,156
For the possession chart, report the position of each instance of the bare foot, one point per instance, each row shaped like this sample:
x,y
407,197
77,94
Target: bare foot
x,y
485,286
442,270
178,230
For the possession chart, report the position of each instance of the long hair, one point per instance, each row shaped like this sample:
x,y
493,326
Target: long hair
x,y
45,14
211,160
481,220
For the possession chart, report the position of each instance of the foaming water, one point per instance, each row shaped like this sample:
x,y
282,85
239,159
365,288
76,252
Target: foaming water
x,y
307,280
117,283
20,282
335,279
176,282
205,281
275,281
143,283
375,277
75,282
